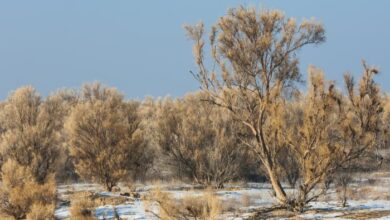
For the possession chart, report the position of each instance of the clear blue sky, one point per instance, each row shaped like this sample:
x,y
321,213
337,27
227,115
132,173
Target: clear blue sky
x,y
140,46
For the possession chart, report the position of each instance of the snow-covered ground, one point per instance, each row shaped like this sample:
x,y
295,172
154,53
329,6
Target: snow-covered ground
x,y
369,200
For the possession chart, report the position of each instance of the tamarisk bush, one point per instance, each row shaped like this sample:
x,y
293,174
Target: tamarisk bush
x,y
104,135
200,140
29,148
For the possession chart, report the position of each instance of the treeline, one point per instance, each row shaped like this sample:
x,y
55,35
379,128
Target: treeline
x,y
94,134
249,122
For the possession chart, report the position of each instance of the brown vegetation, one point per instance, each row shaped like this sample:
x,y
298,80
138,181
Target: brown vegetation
x,y
28,147
82,207
255,53
104,135
21,196
249,115
203,207
201,141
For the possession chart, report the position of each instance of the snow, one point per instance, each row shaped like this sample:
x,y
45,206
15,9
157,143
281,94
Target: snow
x,y
62,212
77,187
260,196
125,211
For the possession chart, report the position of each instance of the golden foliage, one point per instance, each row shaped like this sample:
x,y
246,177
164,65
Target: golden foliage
x,y
254,76
82,207
200,140
104,135
21,195
31,131
202,207
41,212
29,147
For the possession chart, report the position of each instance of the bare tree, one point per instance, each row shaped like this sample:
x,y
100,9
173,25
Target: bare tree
x,y
104,135
200,140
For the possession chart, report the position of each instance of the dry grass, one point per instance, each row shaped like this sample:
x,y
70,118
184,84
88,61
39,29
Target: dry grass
x,y
381,175
21,194
41,212
245,200
204,207
172,184
103,200
82,206
129,186
370,192
84,203
274,213
231,205
366,214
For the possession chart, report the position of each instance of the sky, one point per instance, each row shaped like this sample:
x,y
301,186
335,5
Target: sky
x,y
140,46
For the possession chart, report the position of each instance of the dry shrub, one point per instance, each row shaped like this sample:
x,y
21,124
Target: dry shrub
x,y
82,207
343,180
231,205
84,203
41,212
116,189
370,193
105,137
22,196
101,201
30,138
199,140
130,186
245,200
385,195
204,207
167,205
371,181
363,192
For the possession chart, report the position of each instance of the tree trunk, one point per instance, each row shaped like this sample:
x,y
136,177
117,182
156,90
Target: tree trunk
x,y
109,186
276,185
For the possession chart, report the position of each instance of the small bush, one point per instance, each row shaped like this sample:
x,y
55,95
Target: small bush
x,y
343,190
205,207
371,181
245,200
116,189
22,196
41,212
82,207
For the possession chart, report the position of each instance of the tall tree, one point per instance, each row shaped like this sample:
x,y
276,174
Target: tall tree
x,y
255,55
256,67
